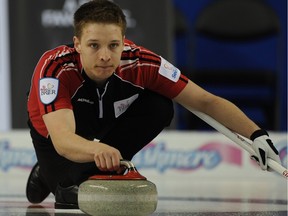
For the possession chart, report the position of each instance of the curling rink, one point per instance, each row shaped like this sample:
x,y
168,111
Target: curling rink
x,y
195,174
201,198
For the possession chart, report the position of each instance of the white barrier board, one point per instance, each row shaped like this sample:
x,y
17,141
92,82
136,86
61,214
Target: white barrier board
x,y
170,158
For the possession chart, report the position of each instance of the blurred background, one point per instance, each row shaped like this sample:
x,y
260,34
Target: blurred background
x,y
236,49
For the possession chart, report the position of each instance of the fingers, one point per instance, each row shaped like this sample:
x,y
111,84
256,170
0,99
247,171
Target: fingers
x,y
255,158
263,156
261,149
108,159
270,143
107,162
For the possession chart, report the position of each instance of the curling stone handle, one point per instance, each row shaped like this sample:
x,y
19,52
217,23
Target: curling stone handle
x,y
132,173
128,164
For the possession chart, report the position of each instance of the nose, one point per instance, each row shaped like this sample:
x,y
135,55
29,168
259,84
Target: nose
x,y
105,54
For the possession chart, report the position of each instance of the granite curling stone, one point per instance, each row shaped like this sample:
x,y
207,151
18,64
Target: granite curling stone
x,y
127,194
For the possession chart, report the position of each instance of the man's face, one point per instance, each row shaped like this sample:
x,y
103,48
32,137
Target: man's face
x,y
100,48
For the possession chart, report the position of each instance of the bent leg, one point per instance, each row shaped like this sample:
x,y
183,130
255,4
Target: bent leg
x,y
140,124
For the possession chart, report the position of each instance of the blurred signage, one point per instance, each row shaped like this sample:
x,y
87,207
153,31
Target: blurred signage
x,y
171,156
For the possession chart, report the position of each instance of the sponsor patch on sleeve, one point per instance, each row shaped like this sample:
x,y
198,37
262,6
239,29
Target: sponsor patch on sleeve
x,y
48,89
169,71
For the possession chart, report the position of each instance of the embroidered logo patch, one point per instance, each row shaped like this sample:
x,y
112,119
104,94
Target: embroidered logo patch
x,y
169,71
48,90
121,106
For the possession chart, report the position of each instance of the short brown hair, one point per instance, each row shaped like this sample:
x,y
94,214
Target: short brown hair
x,y
98,11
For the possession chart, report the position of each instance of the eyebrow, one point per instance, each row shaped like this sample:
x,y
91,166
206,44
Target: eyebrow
x,y
95,40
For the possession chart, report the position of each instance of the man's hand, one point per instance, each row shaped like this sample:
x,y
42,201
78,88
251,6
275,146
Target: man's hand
x,y
107,158
264,148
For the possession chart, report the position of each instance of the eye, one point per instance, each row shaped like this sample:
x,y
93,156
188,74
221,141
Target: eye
x,y
114,45
94,45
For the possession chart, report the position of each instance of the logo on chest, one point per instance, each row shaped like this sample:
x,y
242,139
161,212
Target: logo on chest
x,y
121,106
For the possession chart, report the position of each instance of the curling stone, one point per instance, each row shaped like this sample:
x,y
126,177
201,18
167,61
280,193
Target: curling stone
x,y
127,194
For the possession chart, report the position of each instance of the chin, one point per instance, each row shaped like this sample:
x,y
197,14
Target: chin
x,y
103,78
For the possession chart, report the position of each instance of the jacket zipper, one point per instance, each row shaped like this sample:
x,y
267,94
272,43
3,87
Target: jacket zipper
x,y
100,100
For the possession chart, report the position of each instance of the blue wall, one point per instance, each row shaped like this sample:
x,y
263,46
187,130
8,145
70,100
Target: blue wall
x,y
187,58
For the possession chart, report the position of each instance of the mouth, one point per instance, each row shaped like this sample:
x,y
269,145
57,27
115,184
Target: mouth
x,y
104,66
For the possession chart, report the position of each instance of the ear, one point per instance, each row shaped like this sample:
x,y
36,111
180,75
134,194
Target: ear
x,y
77,44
